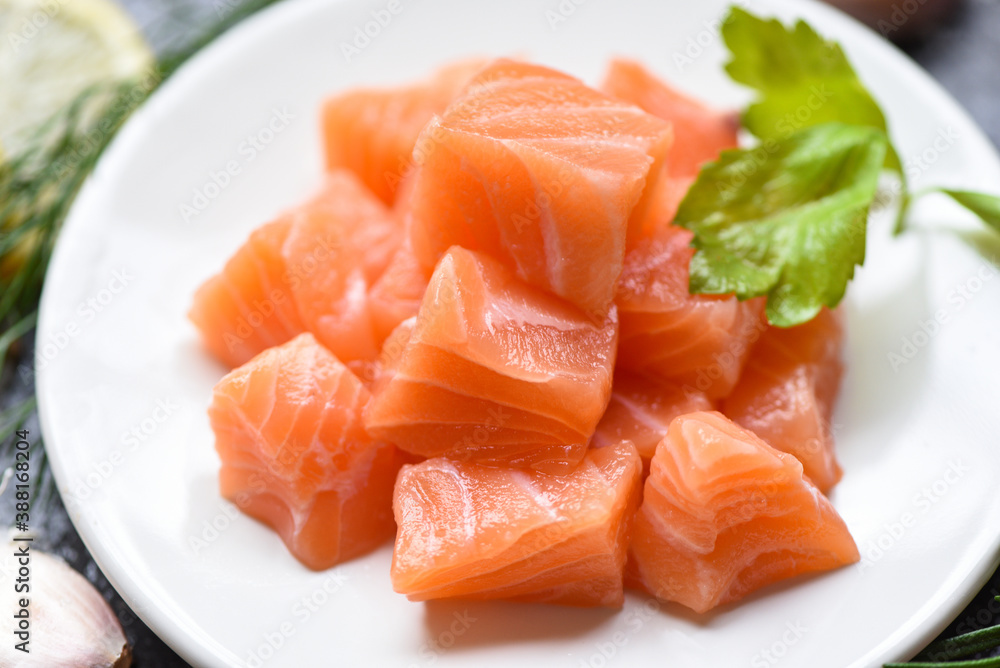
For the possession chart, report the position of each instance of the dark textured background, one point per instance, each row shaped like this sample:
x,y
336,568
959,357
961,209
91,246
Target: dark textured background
x,y
963,53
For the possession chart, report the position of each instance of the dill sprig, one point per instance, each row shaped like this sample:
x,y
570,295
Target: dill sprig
x,y
39,184
955,652
228,16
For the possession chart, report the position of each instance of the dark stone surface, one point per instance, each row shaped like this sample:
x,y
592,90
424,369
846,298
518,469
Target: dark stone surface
x,y
963,54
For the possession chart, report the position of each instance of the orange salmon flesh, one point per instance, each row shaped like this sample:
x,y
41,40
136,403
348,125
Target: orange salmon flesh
x,y
478,338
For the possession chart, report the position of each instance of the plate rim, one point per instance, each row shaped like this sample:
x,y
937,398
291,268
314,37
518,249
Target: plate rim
x,y
192,644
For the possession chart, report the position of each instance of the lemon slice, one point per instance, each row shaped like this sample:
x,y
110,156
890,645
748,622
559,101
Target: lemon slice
x,y
55,49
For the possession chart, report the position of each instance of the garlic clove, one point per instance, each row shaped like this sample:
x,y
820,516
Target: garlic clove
x,y
68,623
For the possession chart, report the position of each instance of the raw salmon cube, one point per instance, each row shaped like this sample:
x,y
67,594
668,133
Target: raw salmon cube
x,y
539,171
310,270
396,296
700,135
641,409
661,205
700,132
495,371
724,514
372,131
787,392
248,307
479,532
699,342
337,249
295,454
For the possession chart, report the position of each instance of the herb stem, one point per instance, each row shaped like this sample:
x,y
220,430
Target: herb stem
x,y
905,200
171,62
991,662
12,418
15,332
964,645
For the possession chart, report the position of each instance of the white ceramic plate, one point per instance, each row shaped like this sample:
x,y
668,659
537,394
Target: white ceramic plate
x,y
124,384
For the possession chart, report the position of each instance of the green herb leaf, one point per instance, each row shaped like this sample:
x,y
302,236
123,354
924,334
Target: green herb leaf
x,y
987,207
803,79
786,219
